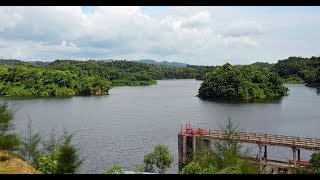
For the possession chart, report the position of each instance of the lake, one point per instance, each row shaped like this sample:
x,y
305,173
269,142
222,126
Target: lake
x,y
121,127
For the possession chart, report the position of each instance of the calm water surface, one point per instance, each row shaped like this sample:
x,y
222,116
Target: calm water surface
x,y
121,127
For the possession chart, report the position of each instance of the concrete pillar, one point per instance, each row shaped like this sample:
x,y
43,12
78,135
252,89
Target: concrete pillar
x,y
184,148
209,144
294,156
180,148
194,147
260,156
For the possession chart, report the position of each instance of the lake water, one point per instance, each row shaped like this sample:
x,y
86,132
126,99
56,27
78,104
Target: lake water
x,y
121,127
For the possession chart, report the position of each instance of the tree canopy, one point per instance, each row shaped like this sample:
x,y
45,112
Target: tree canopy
x,y
300,70
241,82
71,77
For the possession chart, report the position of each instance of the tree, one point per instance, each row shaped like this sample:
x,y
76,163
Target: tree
x,y
160,157
315,160
68,157
60,155
8,141
241,82
149,161
29,149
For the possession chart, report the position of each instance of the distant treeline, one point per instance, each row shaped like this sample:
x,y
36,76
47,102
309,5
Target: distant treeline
x,y
94,77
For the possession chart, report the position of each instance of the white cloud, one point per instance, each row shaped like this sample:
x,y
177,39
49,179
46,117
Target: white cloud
x,y
240,39
241,28
195,35
8,18
194,22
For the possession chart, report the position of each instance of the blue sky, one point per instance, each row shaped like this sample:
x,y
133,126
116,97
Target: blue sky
x,y
195,35
88,9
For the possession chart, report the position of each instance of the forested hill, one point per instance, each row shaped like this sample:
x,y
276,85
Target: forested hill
x,y
71,77
165,63
241,82
299,70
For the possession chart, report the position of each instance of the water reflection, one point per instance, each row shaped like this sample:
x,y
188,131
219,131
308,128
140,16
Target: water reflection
x,y
275,100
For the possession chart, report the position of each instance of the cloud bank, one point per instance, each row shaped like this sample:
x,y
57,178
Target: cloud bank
x,y
194,35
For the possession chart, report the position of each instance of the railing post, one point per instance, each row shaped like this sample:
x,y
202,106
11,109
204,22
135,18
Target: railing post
x,y
298,156
265,153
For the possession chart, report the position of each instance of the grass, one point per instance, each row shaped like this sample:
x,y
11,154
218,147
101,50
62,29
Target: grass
x,y
10,164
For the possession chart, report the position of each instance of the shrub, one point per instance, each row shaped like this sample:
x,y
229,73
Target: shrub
x,y
116,169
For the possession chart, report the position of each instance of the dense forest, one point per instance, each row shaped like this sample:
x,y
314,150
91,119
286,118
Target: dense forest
x,y
31,80
96,77
299,70
241,82
71,77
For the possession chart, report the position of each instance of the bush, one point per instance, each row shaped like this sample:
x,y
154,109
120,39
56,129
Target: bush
x,y
192,168
48,164
64,159
116,169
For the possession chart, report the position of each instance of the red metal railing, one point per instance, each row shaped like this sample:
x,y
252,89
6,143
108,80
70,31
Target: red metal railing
x,y
192,130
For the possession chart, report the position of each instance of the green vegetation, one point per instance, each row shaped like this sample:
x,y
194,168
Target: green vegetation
x,y
241,82
58,156
65,158
160,157
47,164
8,140
138,169
166,63
313,168
30,80
116,169
315,161
224,158
305,70
262,65
28,149
70,77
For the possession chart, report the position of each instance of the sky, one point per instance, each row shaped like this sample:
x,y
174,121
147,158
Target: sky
x,y
197,35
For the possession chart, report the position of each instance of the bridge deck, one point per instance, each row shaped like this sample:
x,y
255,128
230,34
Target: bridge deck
x,y
267,139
